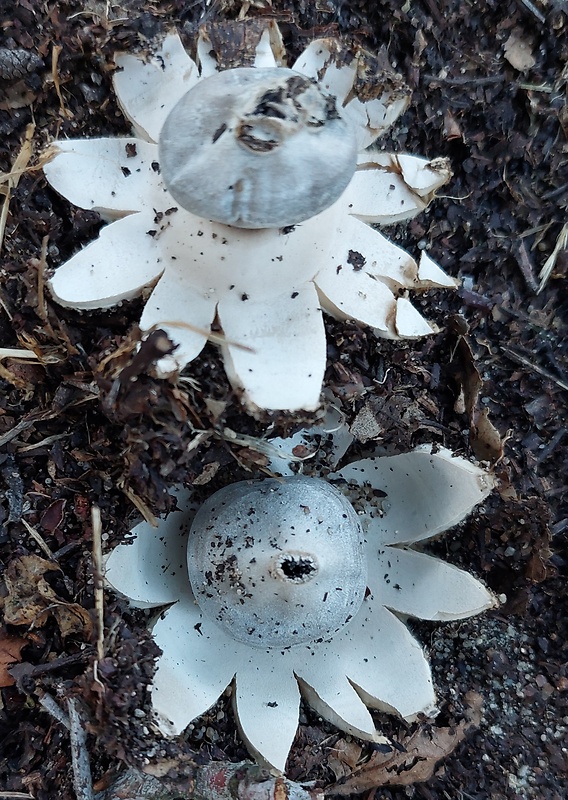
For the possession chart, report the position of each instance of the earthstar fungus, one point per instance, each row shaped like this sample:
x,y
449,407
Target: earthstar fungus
x,y
250,593
266,287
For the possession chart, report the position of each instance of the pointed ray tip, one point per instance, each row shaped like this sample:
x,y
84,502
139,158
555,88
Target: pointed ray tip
x,y
430,274
410,324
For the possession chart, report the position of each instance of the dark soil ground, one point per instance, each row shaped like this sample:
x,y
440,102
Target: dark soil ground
x,y
489,83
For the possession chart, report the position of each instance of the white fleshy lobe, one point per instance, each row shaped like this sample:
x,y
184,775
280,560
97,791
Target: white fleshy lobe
x,y
206,60
357,296
184,313
147,89
409,585
328,62
379,195
197,665
318,61
267,701
357,248
372,119
283,364
409,322
422,176
336,700
151,570
383,661
431,275
444,489
394,187
270,48
115,267
118,176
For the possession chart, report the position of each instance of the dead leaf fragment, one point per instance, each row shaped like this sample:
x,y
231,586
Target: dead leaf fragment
x,y
17,96
538,567
414,763
343,758
451,128
413,760
365,427
474,708
484,437
31,600
10,653
518,51
52,517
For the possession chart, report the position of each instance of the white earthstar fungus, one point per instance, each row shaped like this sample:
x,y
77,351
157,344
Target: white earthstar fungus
x,y
265,287
260,603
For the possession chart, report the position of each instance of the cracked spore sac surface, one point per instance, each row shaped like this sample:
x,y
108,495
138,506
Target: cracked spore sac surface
x,y
260,148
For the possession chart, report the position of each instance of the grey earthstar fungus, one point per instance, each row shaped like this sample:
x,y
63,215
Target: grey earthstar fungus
x,y
257,148
277,563
299,586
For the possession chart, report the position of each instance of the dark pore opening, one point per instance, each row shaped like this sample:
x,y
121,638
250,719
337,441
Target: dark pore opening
x,y
297,568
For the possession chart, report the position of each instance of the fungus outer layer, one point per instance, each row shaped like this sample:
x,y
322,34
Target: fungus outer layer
x,y
278,562
257,148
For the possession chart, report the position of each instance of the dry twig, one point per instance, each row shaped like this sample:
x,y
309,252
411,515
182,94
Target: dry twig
x,y
534,10
38,539
52,707
546,271
218,781
12,179
98,578
17,352
138,503
82,781
520,359
55,53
